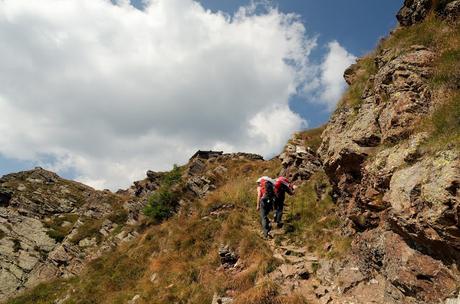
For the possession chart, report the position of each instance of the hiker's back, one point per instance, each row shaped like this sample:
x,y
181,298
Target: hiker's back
x,y
267,190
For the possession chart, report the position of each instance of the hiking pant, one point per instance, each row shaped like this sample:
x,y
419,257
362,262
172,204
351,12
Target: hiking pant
x,y
265,208
279,205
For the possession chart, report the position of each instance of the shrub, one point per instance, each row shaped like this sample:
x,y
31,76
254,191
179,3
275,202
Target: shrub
x,y
161,204
172,177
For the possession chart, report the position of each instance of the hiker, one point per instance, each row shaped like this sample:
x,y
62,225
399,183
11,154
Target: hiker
x,y
282,186
265,201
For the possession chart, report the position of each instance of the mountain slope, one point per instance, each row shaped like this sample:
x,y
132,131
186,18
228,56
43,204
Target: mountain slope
x,y
375,218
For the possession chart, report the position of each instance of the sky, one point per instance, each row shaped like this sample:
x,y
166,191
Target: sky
x,y
101,91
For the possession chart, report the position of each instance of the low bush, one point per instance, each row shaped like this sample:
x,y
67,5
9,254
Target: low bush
x,y
164,201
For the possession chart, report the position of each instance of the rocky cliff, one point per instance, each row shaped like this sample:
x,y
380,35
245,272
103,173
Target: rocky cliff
x,y
50,227
395,168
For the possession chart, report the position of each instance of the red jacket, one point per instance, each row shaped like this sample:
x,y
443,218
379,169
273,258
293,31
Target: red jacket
x,y
282,186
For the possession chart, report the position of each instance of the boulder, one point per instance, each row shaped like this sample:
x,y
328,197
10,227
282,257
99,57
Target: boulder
x,y
452,10
412,273
413,11
228,257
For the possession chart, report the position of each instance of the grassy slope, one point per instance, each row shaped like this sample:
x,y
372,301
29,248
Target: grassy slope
x,y
182,251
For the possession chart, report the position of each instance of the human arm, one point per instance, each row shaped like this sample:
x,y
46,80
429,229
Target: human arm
x,y
258,198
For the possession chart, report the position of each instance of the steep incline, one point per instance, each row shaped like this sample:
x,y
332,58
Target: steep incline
x,y
375,218
391,151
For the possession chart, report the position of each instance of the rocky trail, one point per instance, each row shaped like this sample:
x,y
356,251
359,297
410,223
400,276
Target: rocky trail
x,y
296,271
296,265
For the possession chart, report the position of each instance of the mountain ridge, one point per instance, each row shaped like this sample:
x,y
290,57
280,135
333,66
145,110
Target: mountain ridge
x,y
375,218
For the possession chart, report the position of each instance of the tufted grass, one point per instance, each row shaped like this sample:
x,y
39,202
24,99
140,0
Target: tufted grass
x,y
365,69
312,219
42,294
311,137
56,230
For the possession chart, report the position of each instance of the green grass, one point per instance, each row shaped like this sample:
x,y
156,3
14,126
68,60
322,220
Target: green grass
x,y
426,33
366,68
443,126
183,251
119,215
41,294
311,137
56,230
164,201
312,220
447,70
172,177
89,229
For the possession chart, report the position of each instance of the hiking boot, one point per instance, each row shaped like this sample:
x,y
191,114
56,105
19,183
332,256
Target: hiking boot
x,y
267,236
279,225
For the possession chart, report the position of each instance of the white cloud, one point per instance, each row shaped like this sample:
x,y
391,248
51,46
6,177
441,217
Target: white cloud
x,y
332,68
112,91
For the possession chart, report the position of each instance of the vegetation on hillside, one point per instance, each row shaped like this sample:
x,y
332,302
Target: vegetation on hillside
x,y
443,38
176,260
163,202
312,219
311,137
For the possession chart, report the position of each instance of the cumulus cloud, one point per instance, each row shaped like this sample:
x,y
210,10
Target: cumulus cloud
x,y
332,68
110,91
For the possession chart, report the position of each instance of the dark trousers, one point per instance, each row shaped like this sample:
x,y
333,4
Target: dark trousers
x,y
279,205
265,207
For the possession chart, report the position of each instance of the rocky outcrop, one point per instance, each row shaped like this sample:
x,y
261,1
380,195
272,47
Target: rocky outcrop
x,y
205,170
395,99
298,160
414,11
400,200
452,10
43,222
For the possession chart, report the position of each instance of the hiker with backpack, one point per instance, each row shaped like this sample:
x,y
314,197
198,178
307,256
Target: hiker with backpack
x,y
282,186
265,201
